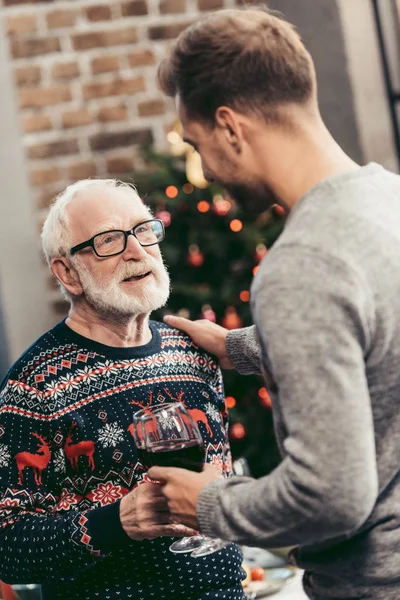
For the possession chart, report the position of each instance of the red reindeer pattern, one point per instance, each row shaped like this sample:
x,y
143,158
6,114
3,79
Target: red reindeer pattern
x,y
196,414
37,461
151,426
74,451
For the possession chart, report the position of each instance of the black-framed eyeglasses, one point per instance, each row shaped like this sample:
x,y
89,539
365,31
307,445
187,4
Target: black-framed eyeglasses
x,y
112,242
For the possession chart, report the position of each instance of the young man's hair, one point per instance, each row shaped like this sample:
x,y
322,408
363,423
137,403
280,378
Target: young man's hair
x,y
250,60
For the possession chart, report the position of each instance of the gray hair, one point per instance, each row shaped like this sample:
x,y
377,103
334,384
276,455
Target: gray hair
x,y
56,233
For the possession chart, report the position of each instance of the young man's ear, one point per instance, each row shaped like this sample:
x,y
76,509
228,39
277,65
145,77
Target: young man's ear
x,y
230,124
66,274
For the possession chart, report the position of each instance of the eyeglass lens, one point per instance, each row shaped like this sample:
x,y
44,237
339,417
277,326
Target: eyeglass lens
x,y
113,242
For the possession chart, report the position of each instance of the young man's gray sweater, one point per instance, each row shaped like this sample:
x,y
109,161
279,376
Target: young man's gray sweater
x,y
326,308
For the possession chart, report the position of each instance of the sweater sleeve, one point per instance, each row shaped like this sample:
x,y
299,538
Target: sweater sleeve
x,y
315,317
244,350
42,537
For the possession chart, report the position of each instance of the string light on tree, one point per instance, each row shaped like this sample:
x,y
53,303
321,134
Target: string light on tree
x,y
237,431
244,295
230,402
236,225
265,398
203,206
171,191
255,270
188,188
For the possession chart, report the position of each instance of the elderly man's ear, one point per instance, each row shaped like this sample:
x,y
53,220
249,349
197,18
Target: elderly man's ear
x,y
66,274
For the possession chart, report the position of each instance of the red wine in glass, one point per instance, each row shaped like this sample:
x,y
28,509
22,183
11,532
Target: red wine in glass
x,y
184,455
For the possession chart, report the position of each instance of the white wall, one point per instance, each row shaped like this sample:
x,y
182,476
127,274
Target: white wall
x,y
22,287
366,75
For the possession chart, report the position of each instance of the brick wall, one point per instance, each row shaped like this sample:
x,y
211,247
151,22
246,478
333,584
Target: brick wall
x,y
85,77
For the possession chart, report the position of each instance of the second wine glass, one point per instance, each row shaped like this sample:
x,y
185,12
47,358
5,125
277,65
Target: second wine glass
x,y
166,435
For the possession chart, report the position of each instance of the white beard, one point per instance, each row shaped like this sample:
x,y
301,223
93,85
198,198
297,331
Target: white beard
x,y
113,304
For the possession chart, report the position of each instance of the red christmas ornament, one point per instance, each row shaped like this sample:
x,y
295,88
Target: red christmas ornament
x,y
208,313
165,217
279,210
231,319
261,251
195,257
237,431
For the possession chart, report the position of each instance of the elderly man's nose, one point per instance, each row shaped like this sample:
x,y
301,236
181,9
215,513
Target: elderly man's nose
x,y
133,247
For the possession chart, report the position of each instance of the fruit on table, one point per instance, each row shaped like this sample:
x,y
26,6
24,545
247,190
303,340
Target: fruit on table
x,y
257,574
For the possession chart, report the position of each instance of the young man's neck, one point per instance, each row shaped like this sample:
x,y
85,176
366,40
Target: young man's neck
x,y
120,334
310,156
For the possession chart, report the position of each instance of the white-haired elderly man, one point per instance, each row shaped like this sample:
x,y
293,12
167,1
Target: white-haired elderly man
x,y
78,515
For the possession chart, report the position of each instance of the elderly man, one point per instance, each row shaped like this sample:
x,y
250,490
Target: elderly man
x,y
78,513
325,304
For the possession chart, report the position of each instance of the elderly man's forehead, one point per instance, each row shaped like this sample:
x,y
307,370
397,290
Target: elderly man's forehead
x,y
93,203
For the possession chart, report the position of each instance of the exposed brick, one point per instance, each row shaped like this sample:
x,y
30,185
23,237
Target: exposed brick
x,y
61,18
135,8
102,39
27,75
152,107
141,58
209,4
120,165
117,87
67,70
37,97
106,141
113,113
41,177
76,118
167,32
82,170
172,6
105,64
34,123
21,24
34,47
99,12
51,149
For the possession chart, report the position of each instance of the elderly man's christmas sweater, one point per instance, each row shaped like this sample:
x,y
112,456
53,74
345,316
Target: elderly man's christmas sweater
x,y
67,457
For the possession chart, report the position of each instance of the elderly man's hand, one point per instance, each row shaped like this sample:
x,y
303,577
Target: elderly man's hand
x,y
144,514
182,488
207,335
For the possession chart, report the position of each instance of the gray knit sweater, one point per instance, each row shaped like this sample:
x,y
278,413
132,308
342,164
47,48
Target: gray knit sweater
x,y
326,308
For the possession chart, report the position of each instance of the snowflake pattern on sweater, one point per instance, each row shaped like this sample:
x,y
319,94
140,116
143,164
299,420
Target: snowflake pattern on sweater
x,y
67,457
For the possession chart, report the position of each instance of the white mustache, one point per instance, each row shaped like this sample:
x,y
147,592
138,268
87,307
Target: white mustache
x,y
139,270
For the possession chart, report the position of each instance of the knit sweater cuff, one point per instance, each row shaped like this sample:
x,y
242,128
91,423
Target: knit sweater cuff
x,y
106,531
244,350
206,503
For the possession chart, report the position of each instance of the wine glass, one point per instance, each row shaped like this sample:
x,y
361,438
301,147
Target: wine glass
x,y
166,435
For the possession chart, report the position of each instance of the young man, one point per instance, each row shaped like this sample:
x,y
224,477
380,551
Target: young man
x,y
77,511
325,305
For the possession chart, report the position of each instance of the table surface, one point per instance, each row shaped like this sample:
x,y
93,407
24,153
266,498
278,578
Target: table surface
x,y
293,590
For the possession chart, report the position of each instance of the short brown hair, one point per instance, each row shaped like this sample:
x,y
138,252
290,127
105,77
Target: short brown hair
x,y
250,60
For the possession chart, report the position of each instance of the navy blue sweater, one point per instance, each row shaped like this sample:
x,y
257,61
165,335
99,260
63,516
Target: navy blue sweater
x,y
67,457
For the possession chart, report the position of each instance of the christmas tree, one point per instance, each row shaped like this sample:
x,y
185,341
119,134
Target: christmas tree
x,y
212,250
